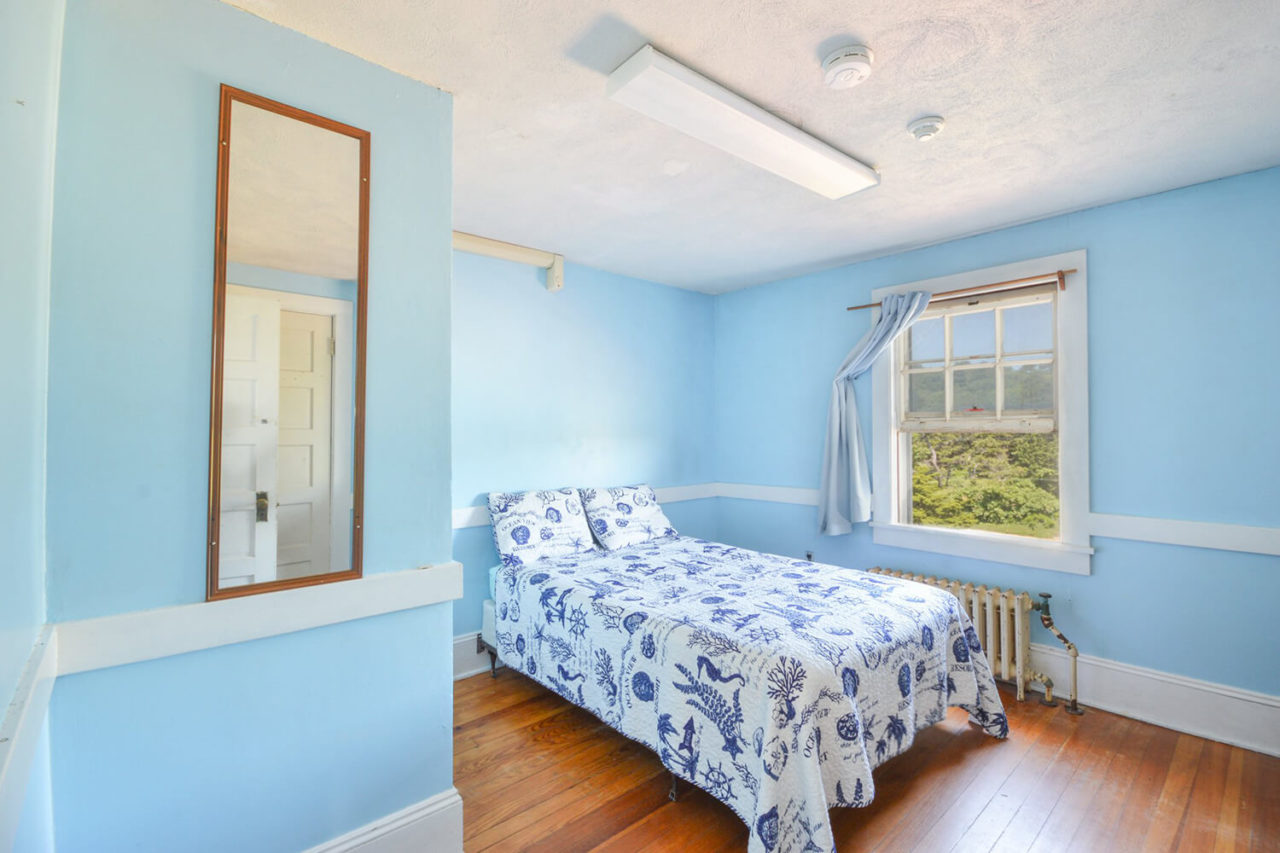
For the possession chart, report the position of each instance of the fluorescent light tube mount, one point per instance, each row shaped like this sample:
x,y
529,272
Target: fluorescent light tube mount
x,y
663,89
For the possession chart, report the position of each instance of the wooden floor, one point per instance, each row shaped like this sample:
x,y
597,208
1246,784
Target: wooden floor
x,y
537,773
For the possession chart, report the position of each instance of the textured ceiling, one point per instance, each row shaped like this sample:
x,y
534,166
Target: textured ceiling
x,y
1051,106
293,195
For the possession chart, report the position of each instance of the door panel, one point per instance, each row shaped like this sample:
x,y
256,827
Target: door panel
x,y
250,400
305,448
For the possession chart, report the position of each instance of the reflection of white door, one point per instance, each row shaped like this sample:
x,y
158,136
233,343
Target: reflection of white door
x,y
304,460
250,387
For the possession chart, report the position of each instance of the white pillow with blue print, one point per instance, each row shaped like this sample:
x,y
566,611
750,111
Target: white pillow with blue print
x,y
625,516
529,526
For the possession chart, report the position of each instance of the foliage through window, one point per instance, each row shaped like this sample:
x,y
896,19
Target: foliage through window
x,y
979,415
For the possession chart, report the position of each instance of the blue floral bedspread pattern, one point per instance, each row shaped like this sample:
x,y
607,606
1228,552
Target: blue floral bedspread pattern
x,y
776,685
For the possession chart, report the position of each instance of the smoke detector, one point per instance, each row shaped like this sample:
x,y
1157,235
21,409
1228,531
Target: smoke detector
x,y
926,128
846,67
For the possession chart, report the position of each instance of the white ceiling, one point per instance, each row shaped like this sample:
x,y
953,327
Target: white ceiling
x,y
1051,106
293,195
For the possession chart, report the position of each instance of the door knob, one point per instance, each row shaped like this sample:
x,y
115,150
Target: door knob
x,y
262,506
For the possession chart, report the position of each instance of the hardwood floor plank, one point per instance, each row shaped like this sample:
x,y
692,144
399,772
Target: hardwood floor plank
x,y
1171,806
537,773
1102,747
1139,805
501,810
970,803
695,824
1199,818
1105,805
1228,838
600,824
1027,822
1265,822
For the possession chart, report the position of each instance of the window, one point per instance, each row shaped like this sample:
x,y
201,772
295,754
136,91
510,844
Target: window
x,y
977,404
981,436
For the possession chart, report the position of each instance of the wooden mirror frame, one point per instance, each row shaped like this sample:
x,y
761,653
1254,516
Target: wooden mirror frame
x,y
228,96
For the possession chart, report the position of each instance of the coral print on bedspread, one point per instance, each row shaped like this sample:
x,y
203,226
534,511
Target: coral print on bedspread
x,y
774,684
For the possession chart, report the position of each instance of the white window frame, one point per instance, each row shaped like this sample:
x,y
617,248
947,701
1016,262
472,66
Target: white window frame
x,y
1071,553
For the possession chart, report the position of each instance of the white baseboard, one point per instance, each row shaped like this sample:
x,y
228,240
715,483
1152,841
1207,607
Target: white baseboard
x,y
466,660
433,824
20,730
1214,711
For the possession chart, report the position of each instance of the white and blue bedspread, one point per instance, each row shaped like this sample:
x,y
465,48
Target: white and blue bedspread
x,y
776,685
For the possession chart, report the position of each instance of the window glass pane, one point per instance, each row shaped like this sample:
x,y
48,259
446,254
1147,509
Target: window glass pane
x,y
1000,482
973,392
973,334
926,340
925,392
1028,328
1028,386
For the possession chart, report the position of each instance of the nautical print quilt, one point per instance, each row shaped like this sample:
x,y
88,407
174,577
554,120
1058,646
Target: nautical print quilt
x,y
775,685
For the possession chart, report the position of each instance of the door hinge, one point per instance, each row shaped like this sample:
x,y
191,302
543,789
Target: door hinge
x,y
333,348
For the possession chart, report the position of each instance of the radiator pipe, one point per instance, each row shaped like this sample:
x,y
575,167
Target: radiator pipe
x,y
1046,619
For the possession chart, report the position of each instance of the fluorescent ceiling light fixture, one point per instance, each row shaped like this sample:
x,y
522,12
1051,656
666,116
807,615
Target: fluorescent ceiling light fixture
x,y
663,89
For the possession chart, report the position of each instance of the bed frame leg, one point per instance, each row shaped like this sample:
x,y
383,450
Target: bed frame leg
x,y
493,664
674,793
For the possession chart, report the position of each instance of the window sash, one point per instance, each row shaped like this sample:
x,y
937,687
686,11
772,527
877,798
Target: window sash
x,y
1012,420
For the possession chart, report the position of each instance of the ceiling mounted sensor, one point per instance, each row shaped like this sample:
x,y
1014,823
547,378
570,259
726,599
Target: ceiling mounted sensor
x,y
663,89
926,127
846,67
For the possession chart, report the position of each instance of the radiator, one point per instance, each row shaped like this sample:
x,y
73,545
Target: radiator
x,y
1002,619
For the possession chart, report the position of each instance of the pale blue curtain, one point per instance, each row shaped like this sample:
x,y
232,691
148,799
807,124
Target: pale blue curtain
x,y
844,498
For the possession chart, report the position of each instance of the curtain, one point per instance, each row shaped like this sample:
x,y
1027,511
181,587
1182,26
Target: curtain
x,y
844,498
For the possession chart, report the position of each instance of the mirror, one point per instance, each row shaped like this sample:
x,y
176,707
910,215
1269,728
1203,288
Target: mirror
x,y
290,287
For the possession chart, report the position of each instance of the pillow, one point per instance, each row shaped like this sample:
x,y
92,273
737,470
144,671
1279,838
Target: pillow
x,y
529,526
625,516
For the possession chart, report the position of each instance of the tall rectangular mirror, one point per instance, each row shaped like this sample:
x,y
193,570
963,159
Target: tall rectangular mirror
x,y
286,440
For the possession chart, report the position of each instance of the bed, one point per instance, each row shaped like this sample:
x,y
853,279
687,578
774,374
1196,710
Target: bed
x,y
776,685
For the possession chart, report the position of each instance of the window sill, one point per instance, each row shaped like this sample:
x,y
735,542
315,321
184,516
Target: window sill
x,y
980,545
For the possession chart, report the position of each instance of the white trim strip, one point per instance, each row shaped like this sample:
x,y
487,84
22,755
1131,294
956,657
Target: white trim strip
x,y
1202,708
1194,534
431,824
105,641
20,730
773,494
470,516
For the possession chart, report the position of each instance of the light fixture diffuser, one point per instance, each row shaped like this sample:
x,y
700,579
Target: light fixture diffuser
x,y
663,89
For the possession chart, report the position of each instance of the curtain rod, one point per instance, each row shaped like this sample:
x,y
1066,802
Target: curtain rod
x,y
994,287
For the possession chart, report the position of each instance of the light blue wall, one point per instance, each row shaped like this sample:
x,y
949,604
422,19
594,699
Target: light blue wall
x,y
606,382
30,45
309,721
30,36
272,745
1183,298
34,833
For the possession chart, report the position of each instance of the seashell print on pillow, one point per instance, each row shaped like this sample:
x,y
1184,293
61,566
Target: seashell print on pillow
x,y
625,516
529,526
